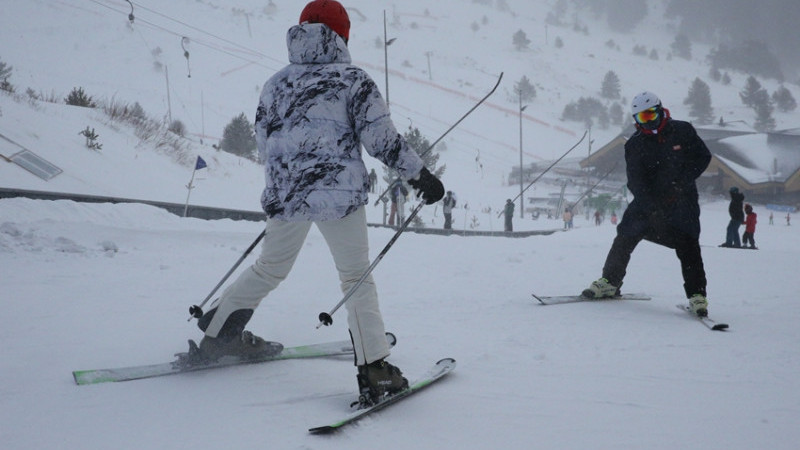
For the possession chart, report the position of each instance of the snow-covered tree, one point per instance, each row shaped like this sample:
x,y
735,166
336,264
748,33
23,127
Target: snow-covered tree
x,y
610,88
239,137
699,101
520,40
784,100
524,89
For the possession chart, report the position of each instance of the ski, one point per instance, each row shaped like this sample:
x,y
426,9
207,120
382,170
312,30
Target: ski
x,y
97,376
561,299
439,370
707,321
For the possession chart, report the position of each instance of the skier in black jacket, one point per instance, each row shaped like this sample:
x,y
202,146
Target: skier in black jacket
x,y
664,158
737,219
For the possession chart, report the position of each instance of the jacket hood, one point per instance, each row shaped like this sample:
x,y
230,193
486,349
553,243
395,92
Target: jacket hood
x,y
315,43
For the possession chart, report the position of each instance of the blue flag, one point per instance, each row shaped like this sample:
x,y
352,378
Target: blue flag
x,y
200,163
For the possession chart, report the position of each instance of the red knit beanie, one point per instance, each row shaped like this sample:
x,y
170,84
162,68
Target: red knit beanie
x,y
329,12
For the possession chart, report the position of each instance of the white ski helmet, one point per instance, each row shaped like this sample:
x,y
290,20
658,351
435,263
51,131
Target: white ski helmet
x,y
644,101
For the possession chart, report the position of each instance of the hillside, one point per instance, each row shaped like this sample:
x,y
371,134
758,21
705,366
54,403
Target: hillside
x,y
234,48
100,285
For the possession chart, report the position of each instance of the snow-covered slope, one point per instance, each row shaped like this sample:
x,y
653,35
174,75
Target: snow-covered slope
x,y
87,286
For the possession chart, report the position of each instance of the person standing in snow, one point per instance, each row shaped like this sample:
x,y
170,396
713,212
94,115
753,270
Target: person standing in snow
x,y
448,203
313,117
737,218
397,194
509,215
663,159
749,227
567,217
373,181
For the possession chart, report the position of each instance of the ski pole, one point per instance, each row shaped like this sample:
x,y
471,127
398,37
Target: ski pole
x,y
595,185
325,317
545,171
422,155
196,311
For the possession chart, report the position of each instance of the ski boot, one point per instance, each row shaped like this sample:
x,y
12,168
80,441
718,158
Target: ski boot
x,y
601,289
377,380
698,304
244,346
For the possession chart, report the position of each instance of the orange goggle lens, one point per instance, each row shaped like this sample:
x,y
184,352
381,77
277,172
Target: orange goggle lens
x,y
648,115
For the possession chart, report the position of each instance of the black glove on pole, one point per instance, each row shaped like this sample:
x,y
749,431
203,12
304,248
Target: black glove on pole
x,y
428,186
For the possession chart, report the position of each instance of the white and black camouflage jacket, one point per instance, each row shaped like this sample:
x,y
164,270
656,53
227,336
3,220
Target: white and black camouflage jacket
x,y
313,116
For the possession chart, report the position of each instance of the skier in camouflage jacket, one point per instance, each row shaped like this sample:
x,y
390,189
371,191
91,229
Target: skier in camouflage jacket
x,y
313,117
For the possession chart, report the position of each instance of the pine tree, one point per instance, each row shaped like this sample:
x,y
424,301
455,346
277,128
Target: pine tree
x,y
524,89
750,91
79,98
784,100
610,88
699,100
239,138
764,120
420,144
520,40
762,105
5,70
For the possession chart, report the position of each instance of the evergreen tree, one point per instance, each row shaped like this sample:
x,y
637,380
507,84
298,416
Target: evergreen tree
x,y
524,89
699,100
763,107
750,91
682,47
610,88
239,138
420,144
5,71
79,98
586,110
784,99
520,40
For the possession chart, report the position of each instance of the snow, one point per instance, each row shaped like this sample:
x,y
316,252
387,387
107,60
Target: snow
x,y
100,285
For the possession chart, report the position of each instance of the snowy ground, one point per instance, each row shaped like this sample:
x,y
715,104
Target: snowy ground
x,y
93,286
90,286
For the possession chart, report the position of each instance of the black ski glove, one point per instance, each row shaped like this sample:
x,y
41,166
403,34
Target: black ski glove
x,y
428,186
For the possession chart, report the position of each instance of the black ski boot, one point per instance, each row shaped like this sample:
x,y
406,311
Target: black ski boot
x,y
233,340
377,380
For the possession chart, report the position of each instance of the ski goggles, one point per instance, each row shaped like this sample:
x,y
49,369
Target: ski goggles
x,y
646,116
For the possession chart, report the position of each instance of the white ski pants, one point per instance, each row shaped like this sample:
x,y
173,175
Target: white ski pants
x,y
347,241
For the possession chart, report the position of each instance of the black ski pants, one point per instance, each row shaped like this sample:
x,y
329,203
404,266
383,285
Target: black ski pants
x,y
686,247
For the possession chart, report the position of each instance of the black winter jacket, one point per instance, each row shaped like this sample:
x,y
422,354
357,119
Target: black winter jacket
x,y
735,207
662,170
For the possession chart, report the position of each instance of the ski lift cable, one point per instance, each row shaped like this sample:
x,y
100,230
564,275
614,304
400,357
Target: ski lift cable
x,y
227,41
195,40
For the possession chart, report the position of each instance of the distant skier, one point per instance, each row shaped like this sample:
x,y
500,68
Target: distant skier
x,y
737,218
448,203
749,227
509,215
664,157
313,118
